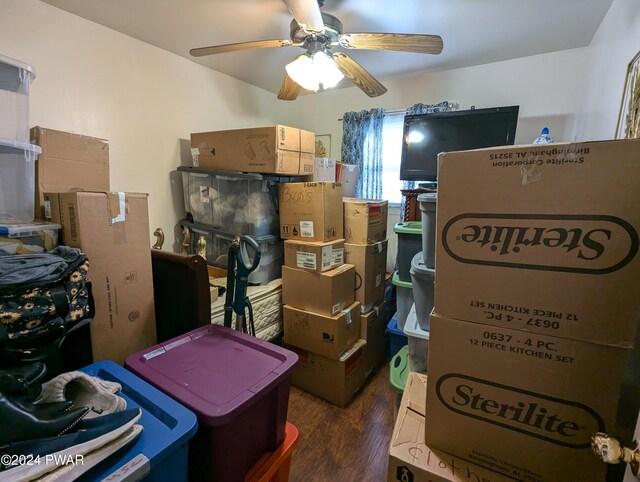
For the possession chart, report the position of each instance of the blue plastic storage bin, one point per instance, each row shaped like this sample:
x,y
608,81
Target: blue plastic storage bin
x,y
161,451
397,338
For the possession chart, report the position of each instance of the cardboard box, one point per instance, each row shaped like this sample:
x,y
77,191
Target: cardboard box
x,y
373,325
272,149
69,162
310,211
324,169
323,293
365,220
329,336
519,403
370,261
542,238
411,460
314,256
336,381
347,174
113,230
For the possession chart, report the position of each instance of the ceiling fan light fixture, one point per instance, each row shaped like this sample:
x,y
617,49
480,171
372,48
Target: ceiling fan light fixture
x,y
327,72
310,72
301,72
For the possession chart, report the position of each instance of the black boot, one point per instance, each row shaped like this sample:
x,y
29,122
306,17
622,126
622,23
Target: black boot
x,y
22,381
21,421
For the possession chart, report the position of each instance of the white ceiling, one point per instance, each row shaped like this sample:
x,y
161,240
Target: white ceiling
x,y
474,31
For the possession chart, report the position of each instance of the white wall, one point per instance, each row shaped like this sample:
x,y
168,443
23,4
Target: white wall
x,y
615,43
95,81
547,88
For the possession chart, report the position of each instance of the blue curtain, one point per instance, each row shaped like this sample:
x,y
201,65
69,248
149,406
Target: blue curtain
x,y
362,145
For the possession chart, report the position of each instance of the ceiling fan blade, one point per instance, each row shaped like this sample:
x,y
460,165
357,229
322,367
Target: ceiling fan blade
x,y
289,90
358,75
220,49
402,42
307,14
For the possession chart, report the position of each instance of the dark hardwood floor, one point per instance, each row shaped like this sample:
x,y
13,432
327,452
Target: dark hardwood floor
x,y
343,444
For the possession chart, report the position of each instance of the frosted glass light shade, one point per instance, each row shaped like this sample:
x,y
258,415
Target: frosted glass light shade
x,y
311,72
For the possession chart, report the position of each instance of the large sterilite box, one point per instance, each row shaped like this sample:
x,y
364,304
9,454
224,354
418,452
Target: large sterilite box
x,y
527,404
161,451
238,387
17,181
15,79
215,243
238,202
36,237
542,238
409,243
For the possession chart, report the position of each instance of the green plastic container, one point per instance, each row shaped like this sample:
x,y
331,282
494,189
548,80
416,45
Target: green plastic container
x,y
409,243
399,369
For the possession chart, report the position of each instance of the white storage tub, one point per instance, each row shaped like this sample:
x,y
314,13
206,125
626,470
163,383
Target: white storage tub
x,y
422,280
17,181
404,299
36,237
15,79
418,341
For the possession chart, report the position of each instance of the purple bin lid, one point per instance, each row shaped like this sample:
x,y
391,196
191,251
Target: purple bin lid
x,y
215,371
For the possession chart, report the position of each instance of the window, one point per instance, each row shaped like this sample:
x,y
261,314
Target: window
x,y
392,128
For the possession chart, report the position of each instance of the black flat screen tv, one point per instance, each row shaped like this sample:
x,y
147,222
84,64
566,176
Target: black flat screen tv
x,y
426,135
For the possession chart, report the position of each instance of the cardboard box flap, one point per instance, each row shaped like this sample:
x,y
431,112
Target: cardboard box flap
x,y
307,141
351,351
338,271
411,430
417,392
73,147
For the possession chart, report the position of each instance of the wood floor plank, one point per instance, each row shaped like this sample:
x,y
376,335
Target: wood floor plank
x,y
343,444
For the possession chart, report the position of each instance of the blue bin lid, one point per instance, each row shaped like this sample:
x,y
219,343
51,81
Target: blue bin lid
x,y
392,327
166,424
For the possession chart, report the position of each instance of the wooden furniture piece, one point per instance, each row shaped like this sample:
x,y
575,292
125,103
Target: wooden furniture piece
x,y
411,207
181,291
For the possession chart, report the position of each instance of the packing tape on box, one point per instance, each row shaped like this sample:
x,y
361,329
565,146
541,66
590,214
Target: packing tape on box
x,y
122,207
347,315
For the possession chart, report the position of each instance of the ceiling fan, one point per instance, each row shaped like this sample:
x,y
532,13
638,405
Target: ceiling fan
x,y
318,32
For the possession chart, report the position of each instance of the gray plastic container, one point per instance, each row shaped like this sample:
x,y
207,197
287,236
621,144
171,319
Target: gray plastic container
x,y
427,203
239,202
422,280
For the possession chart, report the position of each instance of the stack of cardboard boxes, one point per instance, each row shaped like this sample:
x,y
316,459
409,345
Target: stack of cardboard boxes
x,y
537,263
111,228
365,232
321,316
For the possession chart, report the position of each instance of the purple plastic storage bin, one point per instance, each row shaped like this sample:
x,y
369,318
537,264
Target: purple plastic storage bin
x,y
238,387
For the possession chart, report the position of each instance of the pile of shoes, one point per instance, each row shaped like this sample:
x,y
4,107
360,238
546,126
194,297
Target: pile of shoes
x,y
62,428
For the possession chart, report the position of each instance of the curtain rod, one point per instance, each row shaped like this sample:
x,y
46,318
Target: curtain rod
x,y
452,106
